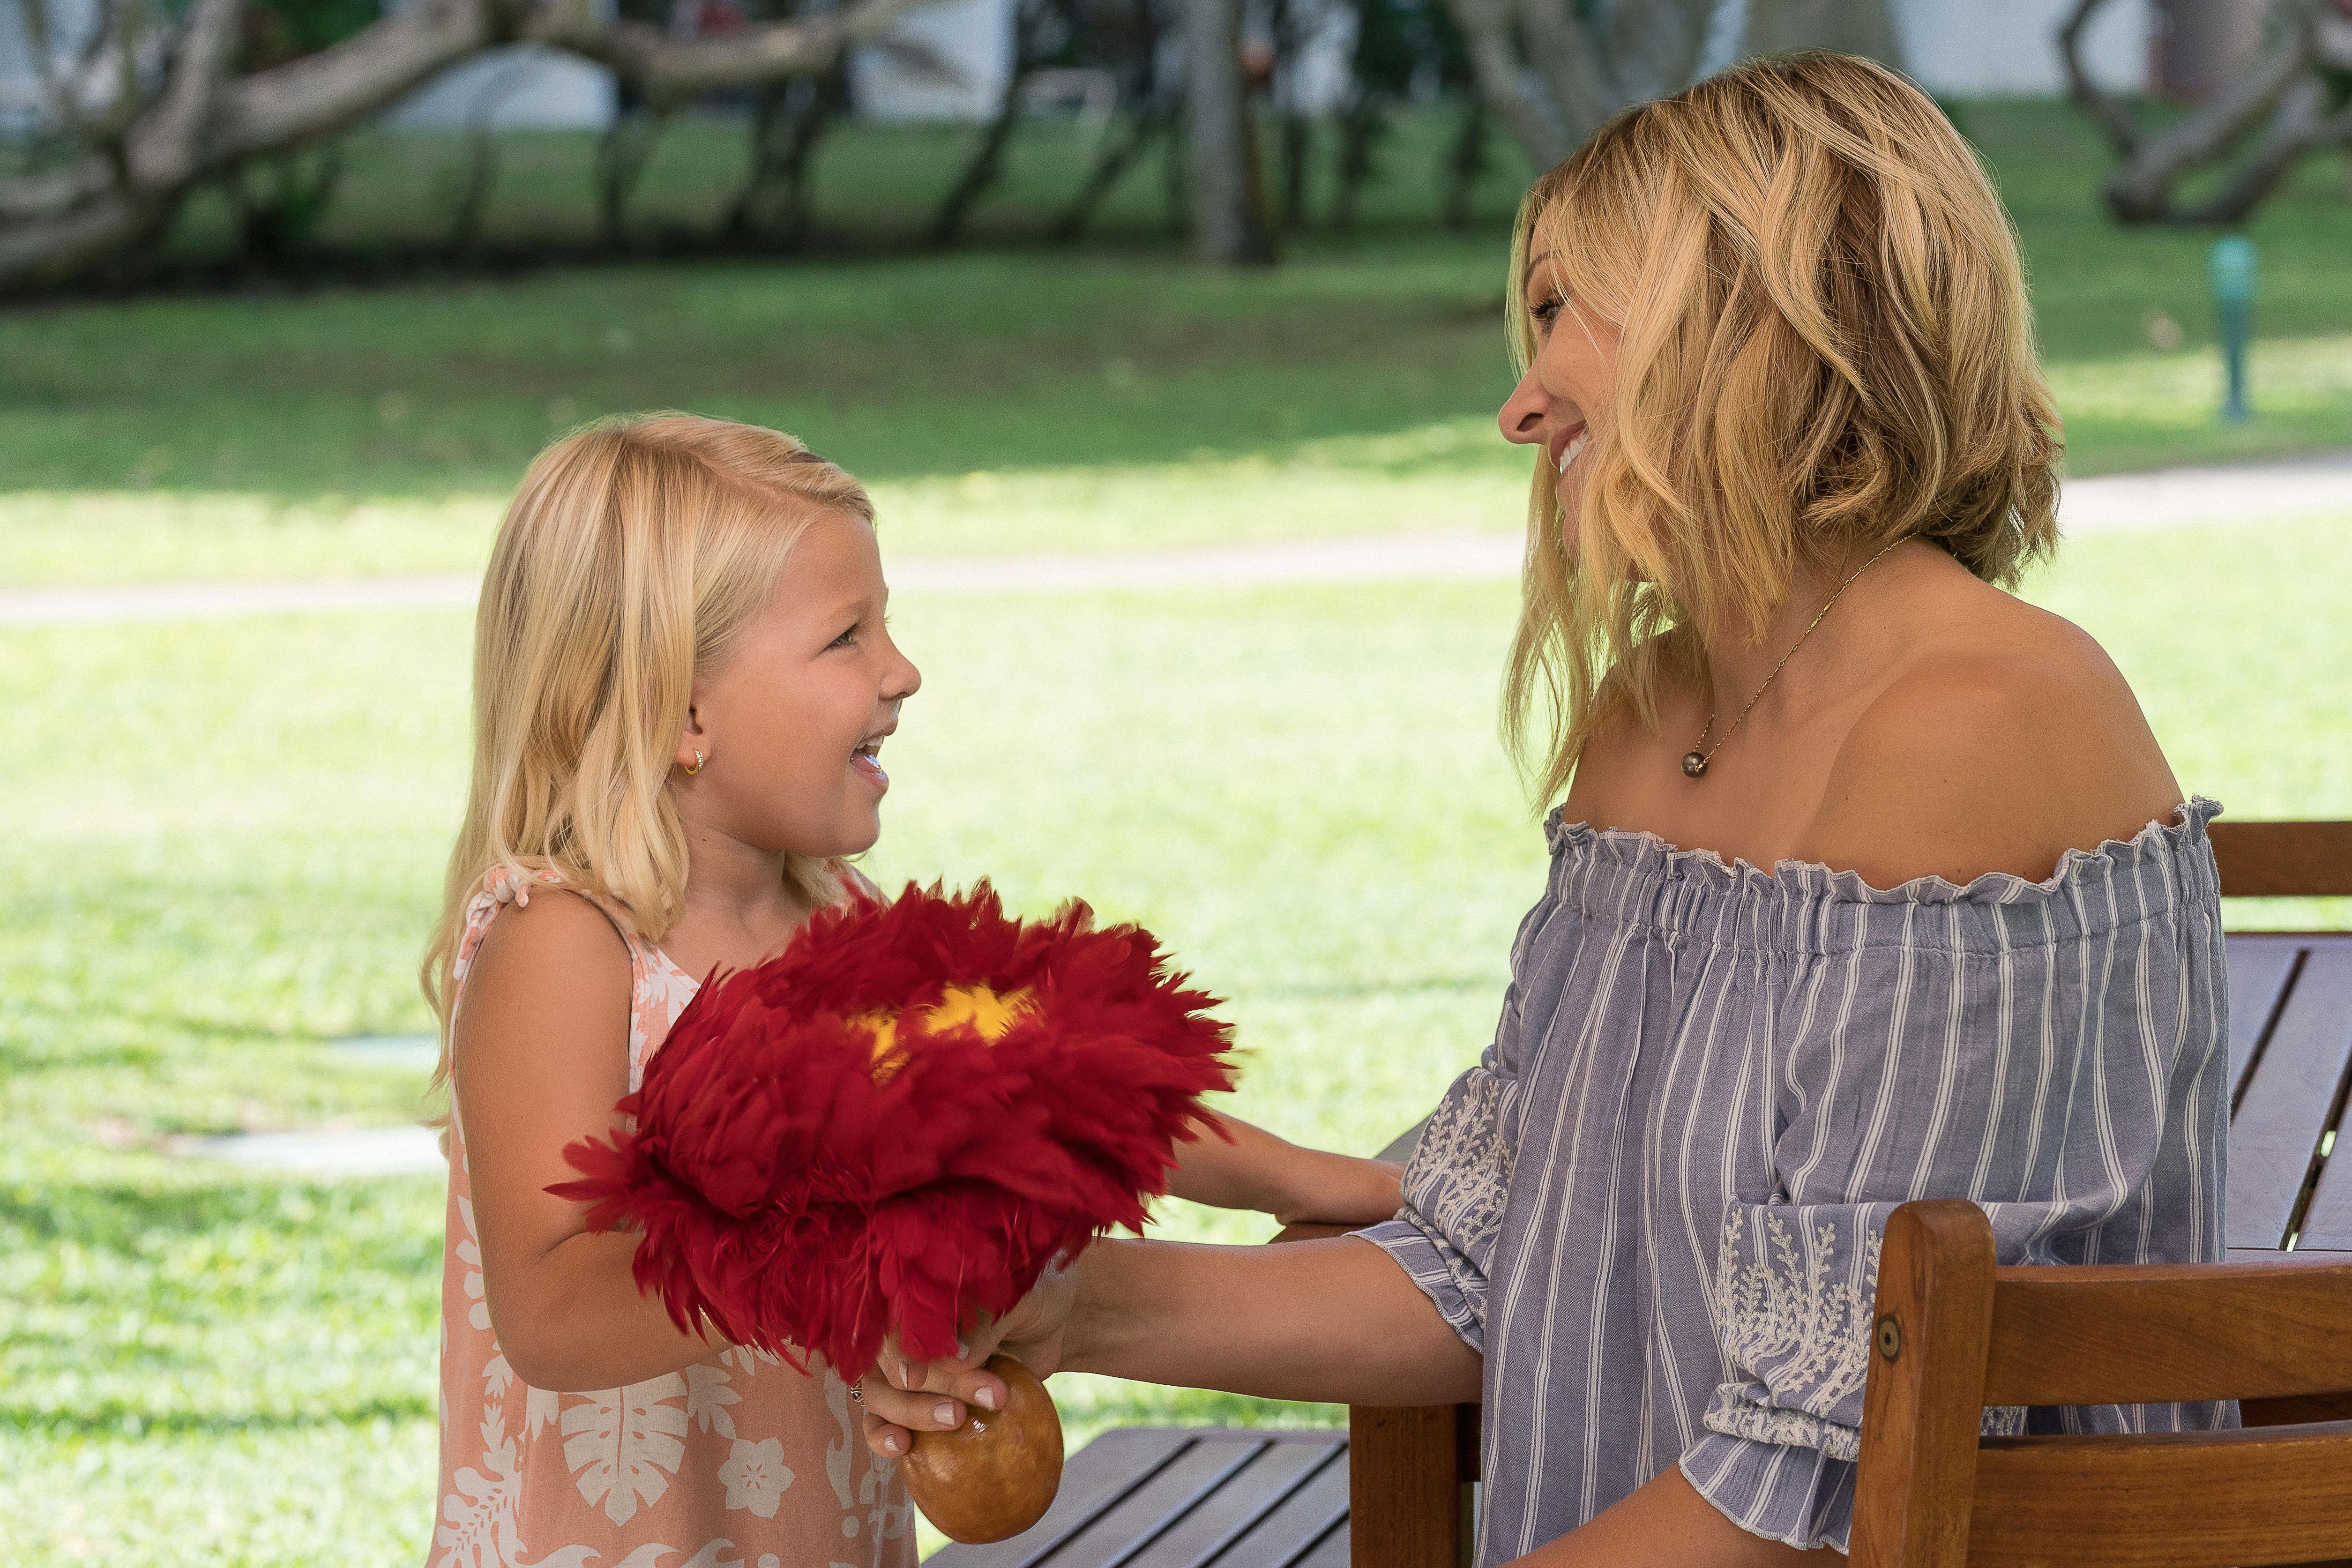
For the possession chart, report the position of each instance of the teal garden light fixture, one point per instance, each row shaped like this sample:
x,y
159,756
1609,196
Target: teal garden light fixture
x,y
2234,271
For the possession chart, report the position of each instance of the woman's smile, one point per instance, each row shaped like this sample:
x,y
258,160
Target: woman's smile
x,y
1568,445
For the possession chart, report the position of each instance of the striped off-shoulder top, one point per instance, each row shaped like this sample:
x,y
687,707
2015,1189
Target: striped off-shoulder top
x,y
1655,1203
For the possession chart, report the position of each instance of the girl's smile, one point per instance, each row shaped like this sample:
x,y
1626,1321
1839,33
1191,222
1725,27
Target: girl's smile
x,y
866,759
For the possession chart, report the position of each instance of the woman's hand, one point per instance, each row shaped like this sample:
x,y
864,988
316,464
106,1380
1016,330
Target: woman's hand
x,y
1334,1320
903,1396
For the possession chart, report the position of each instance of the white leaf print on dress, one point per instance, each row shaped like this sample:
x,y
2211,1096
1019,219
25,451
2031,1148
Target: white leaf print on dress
x,y
622,1443
469,1253
837,1452
707,1396
478,1529
538,1410
756,1476
751,1361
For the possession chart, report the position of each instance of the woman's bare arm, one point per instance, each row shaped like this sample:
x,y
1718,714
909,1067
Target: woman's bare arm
x,y
541,1054
1329,1321
1664,1523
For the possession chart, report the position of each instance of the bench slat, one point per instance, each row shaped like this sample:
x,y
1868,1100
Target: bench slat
x,y
1303,1520
2282,860
2273,1494
2157,1338
2327,1223
2275,1134
2260,968
1336,1550
1149,1511
1222,1526
1094,1480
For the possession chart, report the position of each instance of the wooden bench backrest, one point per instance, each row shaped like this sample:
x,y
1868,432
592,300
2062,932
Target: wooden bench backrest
x,y
1953,1333
2283,860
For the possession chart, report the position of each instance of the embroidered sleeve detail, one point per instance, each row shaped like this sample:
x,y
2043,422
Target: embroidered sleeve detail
x,y
1454,1188
1793,1315
1460,1170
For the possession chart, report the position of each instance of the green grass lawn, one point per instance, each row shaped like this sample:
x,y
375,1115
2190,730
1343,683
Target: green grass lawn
x,y
225,844
1008,398
224,837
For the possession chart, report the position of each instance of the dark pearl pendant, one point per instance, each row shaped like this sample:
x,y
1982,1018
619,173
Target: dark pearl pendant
x,y
1694,764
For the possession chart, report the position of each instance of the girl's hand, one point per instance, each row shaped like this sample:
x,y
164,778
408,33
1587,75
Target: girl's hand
x,y
1339,1189
904,1397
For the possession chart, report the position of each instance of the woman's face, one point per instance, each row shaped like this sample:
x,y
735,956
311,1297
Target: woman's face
x,y
1566,383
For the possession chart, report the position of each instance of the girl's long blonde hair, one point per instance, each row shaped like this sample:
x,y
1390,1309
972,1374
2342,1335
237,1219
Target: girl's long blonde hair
x,y
1825,347
635,554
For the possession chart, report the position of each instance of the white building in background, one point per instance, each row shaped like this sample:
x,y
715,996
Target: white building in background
x,y
2009,48
516,87
971,40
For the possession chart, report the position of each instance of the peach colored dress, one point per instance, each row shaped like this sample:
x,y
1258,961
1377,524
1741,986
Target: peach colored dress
x,y
735,1462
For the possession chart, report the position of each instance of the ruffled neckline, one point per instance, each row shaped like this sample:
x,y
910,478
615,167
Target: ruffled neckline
x,y
1635,849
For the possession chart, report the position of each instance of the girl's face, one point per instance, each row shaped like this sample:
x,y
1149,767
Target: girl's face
x,y
791,727
1568,380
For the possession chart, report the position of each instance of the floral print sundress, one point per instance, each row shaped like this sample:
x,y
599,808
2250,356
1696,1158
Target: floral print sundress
x,y
734,1462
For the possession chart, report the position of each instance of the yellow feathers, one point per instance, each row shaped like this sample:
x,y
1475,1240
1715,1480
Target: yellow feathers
x,y
976,1005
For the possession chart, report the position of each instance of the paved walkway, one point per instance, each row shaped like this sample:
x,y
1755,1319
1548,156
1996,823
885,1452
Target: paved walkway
x,y
2171,498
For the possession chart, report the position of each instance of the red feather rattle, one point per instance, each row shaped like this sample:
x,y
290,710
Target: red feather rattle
x,y
901,1122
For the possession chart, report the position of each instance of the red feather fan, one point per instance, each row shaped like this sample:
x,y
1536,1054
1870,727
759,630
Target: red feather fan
x,y
901,1121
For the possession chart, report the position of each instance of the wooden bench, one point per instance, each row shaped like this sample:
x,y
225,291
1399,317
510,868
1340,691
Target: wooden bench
x,y
1410,1474
1953,1333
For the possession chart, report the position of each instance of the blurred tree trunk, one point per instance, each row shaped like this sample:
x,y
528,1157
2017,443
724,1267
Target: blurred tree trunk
x,y
1552,70
2294,99
174,111
1228,196
1030,33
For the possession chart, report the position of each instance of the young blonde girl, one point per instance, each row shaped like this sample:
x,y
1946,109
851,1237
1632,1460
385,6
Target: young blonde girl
x,y
682,682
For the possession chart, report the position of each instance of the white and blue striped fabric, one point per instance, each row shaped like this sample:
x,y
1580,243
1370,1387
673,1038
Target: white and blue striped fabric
x,y
1655,1204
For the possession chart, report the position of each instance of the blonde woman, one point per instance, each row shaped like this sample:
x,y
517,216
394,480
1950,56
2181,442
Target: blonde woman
x,y
1868,882
683,681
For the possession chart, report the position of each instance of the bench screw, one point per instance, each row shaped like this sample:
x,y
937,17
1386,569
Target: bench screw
x,y
1890,1338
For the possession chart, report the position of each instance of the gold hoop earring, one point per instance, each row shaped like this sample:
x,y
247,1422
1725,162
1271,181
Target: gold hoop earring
x,y
697,763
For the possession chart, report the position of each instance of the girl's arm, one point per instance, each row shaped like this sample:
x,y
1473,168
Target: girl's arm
x,y
1259,1171
541,1053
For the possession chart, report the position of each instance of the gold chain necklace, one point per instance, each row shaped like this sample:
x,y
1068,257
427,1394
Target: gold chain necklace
x,y
1695,761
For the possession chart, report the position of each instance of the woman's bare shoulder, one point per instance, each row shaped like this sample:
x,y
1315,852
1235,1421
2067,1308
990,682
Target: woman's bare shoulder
x,y
2005,740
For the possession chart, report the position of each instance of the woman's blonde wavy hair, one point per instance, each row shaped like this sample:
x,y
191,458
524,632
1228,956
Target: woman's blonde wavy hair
x,y
1825,347
634,556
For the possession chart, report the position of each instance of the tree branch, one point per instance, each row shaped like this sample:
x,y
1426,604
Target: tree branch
x,y
2093,100
2141,190
205,122
669,70
1494,64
